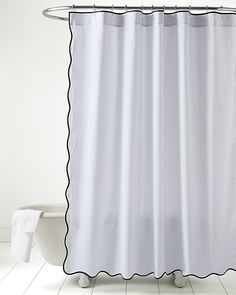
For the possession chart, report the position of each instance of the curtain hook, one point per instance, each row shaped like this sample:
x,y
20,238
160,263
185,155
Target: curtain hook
x,y
164,8
94,10
207,9
190,8
142,8
126,8
175,8
152,7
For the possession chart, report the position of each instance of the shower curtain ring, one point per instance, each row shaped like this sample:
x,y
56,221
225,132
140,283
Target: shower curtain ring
x,y
220,8
126,8
189,8
94,9
207,9
142,8
164,8
176,8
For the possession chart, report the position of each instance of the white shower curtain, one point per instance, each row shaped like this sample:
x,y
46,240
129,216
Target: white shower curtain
x,y
152,144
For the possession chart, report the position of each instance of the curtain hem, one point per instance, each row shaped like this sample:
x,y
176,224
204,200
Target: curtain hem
x,y
144,275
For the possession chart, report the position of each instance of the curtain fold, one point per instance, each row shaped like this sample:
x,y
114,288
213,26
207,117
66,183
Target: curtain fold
x,y
152,144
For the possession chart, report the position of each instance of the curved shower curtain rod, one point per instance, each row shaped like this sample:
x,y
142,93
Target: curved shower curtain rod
x,y
47,12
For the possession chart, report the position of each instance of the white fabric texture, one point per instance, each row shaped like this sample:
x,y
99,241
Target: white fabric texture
x,y
24,224
152,144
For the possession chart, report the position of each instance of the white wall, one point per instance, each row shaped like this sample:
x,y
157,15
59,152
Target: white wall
x,y
34,61
33,85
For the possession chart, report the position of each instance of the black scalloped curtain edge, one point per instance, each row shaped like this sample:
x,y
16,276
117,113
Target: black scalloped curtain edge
x,y
68,176
67,145
148,274
152,12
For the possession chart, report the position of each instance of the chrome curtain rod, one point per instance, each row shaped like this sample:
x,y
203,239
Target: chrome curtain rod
x,y
48,12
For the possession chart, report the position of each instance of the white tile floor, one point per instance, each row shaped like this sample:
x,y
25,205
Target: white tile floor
x,y
40,278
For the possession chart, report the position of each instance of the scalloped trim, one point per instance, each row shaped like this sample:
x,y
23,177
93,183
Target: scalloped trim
x,y
148,13
145,275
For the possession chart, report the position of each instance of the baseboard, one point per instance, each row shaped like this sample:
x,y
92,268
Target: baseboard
x,y
5,234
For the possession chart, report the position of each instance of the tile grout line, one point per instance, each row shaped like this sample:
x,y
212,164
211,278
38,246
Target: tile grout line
x,y
222,285
59,290
158,287
94,285
27,288
3,278
9,271
191,285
